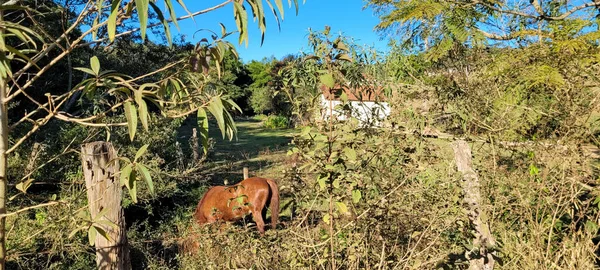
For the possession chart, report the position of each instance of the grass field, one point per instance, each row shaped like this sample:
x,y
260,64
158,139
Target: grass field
x,y
258,148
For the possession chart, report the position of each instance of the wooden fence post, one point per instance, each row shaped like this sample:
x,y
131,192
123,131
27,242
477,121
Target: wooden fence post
x,y
245,172
195,145
484,240
104,192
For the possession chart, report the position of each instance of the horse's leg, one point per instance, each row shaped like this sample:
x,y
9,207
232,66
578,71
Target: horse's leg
x,y
257,216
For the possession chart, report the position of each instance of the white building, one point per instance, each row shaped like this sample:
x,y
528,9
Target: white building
x,y
368,106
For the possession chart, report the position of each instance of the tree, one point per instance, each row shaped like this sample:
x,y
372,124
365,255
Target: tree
x,y
28,51
261,98
438,26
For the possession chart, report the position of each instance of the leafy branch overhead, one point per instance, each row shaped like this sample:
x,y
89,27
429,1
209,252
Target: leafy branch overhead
x,y
436,26
121,10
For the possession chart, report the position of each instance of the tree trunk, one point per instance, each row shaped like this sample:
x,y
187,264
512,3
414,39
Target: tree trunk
x,y
104,192
484,240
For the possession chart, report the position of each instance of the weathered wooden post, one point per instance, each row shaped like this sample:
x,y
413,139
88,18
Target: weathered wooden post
x,y
195,145
484,240
245,172
104,192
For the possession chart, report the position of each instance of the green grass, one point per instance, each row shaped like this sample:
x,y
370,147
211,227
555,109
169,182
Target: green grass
x,y
256,147
252,140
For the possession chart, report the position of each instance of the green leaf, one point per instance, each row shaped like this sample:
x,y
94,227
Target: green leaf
x,y
326,218
101,214
342,207
182,4
86,70
341,46
131,115
203,126
92,233
21,54
145,173
125,172
75,231
344,97
591,227
163,21
356,196
350,153
279,5
274,15
95,64
140,152
305,131
142,10
240,199
343,56
296,5
223,30
108,223
322,181
241,21
102,232
172,14
133,186
94,24
112,19
230,125
336,183
23,186
143,108
533,170
327,80
216,109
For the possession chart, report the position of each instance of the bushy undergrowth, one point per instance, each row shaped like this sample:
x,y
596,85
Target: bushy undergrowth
x,y
41,238
276,122
408,214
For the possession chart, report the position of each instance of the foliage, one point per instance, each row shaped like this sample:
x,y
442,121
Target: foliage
x,y
171,89
276,122
353,196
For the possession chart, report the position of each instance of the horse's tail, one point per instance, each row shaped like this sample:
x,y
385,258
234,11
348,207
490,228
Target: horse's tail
x,y
274,202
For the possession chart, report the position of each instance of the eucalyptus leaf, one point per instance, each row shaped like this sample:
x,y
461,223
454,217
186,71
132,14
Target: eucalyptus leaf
x,y
145,173
131,115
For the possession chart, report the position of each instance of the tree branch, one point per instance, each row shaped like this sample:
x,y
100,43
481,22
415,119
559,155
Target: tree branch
x,y
30,208
85,123
510,36
541,14
56,43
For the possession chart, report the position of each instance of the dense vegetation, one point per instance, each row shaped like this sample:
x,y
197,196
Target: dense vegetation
x,y
518,80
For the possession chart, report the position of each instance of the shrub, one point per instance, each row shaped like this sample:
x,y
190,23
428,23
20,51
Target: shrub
x,y
276,122
260,117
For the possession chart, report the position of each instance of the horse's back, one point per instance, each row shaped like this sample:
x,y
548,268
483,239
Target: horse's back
x,y
255,183
255,191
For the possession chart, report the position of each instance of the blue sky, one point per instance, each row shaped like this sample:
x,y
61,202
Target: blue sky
x,y
345,16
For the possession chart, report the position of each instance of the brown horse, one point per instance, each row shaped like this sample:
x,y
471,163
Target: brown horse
x,y
232,203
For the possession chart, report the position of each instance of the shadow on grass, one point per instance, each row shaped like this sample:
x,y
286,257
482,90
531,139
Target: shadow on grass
x,y
252,141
